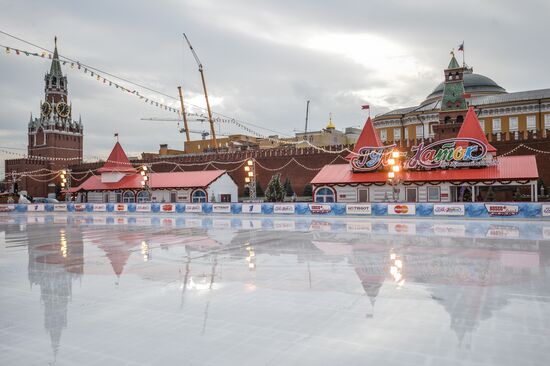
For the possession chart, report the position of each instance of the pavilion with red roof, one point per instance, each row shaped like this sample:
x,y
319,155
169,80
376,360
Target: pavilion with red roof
x,y
119,181
465,168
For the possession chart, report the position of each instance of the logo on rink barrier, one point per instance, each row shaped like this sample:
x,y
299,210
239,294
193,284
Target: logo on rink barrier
x,y
167,207
143,208
358,209
79,207
119,207
7,208
283,209
193,208
449,210
36,208
502,210
401,209
60,207
100,207
221,208
251,208
319,208
545,210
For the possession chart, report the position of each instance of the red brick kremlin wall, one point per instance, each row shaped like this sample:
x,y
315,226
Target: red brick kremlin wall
x,y
311,158
268,160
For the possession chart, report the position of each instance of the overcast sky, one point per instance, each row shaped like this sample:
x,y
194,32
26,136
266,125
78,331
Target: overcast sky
x,y
263,59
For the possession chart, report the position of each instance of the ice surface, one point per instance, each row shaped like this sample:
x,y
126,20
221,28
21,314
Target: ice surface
x,y
112,289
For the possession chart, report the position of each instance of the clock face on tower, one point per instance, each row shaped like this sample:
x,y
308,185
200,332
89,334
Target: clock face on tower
x,y
46,109
62,109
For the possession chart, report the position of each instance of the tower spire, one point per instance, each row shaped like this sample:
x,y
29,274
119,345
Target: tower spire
x,y
55,69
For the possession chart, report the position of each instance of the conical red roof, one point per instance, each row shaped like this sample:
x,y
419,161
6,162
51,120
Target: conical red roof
x,y
472,129
117,162
368,137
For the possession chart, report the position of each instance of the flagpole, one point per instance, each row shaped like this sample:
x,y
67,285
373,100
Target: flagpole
x,y
463,56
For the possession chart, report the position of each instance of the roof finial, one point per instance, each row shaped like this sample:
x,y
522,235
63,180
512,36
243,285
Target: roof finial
x,y
55,41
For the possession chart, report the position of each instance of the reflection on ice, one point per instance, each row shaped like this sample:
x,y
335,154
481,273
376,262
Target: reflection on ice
x,y
369,284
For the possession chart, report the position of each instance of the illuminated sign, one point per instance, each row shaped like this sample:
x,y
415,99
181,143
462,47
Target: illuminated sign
x,y
448,153
371,158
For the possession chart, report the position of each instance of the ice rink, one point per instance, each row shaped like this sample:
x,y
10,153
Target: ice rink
x,y
123,289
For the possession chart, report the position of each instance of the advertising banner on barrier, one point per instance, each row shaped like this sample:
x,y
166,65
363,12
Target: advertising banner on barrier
x,y
449,210
283,209
251,208
7,208
319,208
545,210
193,208
100,207
221,208
36,208
120,207
167,207
79,207
60,208
546,232
502,209
401,209
142,207
359,209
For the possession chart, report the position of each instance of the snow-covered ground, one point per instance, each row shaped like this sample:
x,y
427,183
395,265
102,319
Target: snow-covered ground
x,y
114,289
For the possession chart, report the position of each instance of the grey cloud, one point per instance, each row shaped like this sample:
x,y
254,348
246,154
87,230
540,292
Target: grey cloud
x,y
262,80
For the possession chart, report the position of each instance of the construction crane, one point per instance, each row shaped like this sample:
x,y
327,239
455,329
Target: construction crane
x,y
199,63
200,118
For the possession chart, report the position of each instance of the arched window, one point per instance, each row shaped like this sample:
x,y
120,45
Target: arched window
x,y
459,119
129,197
143,196
198,196
324,194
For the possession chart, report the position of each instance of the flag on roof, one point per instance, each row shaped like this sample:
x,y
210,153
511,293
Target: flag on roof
x,y
461,47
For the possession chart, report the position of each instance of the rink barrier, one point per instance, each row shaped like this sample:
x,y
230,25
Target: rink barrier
x,y
491,229
465,210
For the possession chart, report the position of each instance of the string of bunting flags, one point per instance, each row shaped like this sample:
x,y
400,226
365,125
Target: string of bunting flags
x,y
86,69
76,65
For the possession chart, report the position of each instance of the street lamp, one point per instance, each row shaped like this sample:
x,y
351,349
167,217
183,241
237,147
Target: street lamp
x,y
250,178
144,171
395,167
66,183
